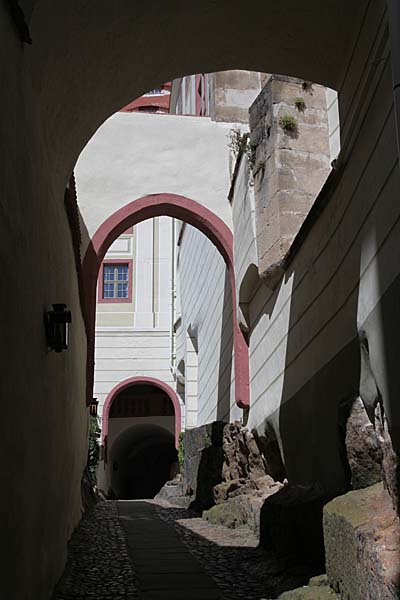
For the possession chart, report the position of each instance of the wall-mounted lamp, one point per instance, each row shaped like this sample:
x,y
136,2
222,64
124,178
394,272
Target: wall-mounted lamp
x,y
93,407
57,321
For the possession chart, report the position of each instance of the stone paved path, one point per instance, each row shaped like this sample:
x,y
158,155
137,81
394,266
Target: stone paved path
x,y
232,557
98,565
149,550
165,568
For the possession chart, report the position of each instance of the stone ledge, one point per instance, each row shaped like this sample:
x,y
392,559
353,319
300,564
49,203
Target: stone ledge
x,y
362,544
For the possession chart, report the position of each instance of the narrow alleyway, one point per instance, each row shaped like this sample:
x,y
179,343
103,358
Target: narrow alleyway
x,y
153,551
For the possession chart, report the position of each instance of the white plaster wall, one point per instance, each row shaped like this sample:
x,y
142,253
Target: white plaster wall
x,y
332,103
343,275
205,302
132,155
150,249
125,353
133,339
243,211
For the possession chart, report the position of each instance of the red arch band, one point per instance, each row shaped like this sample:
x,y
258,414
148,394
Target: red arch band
x,y
184,209
138,381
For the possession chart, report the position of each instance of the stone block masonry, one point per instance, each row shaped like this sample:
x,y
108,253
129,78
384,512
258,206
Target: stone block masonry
x,y
289,131
362,544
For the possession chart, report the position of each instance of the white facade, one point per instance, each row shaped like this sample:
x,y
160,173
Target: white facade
x,y
131,156
178,326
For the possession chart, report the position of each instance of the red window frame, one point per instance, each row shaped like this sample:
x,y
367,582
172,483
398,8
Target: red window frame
x,y
115,261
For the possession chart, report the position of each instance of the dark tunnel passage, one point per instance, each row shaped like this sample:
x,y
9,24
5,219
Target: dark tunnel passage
x,y
143,454
143,458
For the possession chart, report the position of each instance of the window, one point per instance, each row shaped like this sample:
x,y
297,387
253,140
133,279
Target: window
x,y
115,281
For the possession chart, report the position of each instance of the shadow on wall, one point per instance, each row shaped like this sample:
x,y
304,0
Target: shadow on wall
x,y
225,361
323,309
143,458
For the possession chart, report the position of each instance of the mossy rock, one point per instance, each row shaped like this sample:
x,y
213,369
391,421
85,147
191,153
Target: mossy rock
x,y
313,592
227,514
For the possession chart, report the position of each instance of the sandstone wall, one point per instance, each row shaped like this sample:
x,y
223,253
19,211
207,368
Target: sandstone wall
x,y
291,162
205,300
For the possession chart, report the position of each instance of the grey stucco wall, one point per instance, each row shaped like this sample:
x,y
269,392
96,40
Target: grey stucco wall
x,y
43,428
343,276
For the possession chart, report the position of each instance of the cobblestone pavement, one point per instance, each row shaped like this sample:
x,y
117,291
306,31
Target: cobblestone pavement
x,y
121,548
241,570
98,564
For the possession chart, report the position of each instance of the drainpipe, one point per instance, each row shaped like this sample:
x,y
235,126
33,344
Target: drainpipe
x,y
173,297
393,8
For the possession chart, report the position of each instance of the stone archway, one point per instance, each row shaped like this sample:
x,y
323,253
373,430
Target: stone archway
x,y
194,214
132,381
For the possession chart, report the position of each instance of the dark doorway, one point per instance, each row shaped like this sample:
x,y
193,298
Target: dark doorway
x,y
142,453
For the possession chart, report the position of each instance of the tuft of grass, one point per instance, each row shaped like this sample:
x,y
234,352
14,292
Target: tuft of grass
x,y
300,104
181,451
307,86
288,123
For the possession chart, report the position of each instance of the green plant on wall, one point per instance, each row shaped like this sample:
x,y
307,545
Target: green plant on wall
x,y
307,86
94,446
237,141
300,104
181,451
288,123
240,143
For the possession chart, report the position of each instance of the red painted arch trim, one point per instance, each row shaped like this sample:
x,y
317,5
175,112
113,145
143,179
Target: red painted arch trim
x,y
189,211
140,381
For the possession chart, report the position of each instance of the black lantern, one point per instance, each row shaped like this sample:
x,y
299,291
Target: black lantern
x,y
93,407
57,321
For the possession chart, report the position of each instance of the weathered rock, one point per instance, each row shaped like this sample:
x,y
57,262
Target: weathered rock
x,y
373,403
319,580
242,456
390,459
243,508
269,446
227,489
310,593
364,451
291,523
223,465
228,513
362,541
173,492
202,468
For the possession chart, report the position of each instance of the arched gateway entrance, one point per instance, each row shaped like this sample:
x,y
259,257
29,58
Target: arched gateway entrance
x,y
189,211
134,383
140,432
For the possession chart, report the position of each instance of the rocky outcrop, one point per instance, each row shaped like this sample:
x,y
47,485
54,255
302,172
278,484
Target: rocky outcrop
x,y
173,492
291,523
373,402
203,460
362,542
318,588
242,456
364,452
390,459
224,474
245,482
242,505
